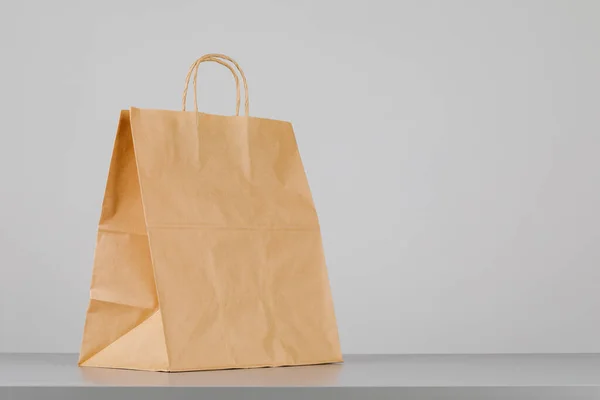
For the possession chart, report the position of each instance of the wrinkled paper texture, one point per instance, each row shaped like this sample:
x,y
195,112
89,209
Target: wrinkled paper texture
x,y
209,253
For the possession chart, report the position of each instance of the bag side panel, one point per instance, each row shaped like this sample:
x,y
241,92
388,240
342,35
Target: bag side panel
x,y
123,292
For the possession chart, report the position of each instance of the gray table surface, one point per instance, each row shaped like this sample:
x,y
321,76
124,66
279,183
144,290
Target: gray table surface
x,y
436,373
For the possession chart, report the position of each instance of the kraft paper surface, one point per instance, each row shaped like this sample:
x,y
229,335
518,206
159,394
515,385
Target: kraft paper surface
x,y
209,252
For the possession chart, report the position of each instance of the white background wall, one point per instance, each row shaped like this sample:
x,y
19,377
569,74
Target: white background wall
x,y
451,146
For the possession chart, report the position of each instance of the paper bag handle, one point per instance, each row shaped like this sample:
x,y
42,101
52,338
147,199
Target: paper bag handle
x,y
218,58
195,67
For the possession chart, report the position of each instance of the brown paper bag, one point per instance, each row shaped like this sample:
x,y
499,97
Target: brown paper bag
x,y
209,252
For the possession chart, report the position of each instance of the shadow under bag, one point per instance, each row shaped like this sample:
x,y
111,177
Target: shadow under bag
x,y
209,252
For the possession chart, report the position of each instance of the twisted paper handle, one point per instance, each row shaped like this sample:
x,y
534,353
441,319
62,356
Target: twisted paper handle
x,y
218,58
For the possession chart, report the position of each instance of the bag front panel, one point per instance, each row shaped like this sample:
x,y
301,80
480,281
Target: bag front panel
x,y
235,242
